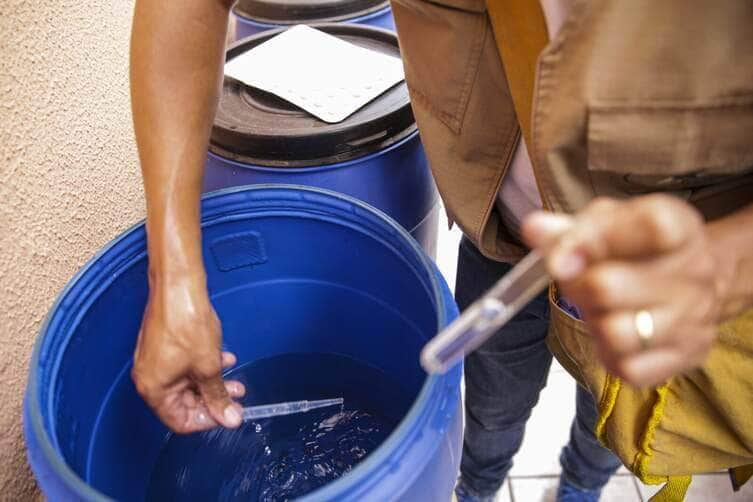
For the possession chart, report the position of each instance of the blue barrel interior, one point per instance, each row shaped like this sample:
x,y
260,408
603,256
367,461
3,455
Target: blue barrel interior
x,y
290,270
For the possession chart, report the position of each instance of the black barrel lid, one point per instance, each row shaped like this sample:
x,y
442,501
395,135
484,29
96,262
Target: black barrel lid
x,y
256,127
306,11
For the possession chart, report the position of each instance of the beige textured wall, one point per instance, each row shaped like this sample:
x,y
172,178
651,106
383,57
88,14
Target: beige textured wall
x,y
69,178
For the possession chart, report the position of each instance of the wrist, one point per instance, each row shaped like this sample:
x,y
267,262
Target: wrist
x,y
174,248
189,277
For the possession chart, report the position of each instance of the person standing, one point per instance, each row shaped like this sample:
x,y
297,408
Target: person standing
x,y
611,115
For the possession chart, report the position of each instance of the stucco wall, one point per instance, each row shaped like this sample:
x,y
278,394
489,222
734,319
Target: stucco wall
x,y
69,178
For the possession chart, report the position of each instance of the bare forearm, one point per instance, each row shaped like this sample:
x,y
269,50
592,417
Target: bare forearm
x,y
732,240
177,51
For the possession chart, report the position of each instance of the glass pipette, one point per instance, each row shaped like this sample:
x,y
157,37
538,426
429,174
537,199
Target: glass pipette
x,y
486,315
288,408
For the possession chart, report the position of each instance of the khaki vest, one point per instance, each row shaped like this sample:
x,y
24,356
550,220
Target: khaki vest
x,y
630,98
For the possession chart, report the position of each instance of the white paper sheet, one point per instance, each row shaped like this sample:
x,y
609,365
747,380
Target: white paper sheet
x,y
326,76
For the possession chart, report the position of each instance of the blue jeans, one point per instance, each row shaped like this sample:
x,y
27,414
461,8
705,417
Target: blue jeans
x,y
503,379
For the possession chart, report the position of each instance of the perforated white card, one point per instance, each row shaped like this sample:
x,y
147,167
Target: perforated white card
x,y
326,76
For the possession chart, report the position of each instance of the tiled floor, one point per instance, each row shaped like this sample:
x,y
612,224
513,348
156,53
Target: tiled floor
x,y
535,473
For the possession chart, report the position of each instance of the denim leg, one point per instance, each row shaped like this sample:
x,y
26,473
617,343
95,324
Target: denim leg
x,y
585,463
503,378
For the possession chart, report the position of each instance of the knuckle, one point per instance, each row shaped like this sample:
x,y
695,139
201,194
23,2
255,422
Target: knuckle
x,y
624,371
611,363
631,374
142,383
659,204
632,377
612,334
602,204
603,328
667,220
207,369
660,229
598,286
599,327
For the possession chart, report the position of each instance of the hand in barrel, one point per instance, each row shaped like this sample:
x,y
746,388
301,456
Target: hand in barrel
x,y
178,361
175,75
643,275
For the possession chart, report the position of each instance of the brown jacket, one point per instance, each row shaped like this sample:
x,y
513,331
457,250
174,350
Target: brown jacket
x,y
631,97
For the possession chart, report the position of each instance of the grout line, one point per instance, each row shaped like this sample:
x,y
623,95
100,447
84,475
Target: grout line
x,y
637,489
509,490
552,476
549,476
535,476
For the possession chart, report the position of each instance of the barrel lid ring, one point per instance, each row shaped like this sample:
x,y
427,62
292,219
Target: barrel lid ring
x,y
256,127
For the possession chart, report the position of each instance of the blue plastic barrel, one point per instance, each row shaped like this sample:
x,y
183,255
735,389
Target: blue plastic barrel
x,y
374,155
289,270
254,16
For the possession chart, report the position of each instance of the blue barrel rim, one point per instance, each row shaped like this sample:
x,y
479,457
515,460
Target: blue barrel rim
x,y
213,201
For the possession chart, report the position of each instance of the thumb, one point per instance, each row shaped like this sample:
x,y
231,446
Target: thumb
x,y
217,400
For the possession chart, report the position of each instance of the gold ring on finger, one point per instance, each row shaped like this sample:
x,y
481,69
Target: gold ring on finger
x,y
644,326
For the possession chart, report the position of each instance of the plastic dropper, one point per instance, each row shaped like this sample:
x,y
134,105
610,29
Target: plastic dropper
x,y
486,315
287,408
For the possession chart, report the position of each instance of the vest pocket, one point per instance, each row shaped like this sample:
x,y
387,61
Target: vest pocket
x,y
668,147
441,43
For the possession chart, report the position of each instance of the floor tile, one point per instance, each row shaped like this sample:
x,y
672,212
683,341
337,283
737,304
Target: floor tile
x,y
619,489
503,495
707,487
534,489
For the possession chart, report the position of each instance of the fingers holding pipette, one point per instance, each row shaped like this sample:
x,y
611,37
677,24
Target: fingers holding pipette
x,y
233,387
207,374
642,273
199,417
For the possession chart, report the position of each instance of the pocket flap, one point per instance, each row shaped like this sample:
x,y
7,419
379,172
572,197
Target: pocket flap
x,y
671,140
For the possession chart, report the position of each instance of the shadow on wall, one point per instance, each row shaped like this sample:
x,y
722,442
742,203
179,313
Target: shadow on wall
x,y
69,171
